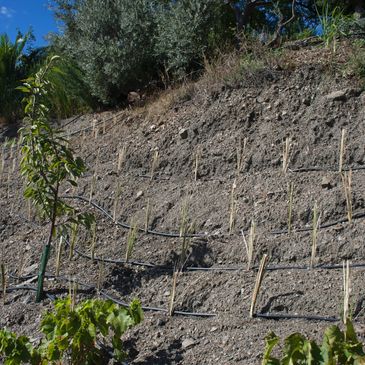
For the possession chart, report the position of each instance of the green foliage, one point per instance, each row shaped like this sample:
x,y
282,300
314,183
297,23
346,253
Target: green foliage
x,y
188,30
333,22
47,159
112,43
47,162
11,71
337,348
75,333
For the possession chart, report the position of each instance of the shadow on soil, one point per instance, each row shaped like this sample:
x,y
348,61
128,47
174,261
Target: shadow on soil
x,y
172,354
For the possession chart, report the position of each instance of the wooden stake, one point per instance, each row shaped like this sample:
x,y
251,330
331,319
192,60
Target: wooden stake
x,y
342,150
346,291
316,225
259,278
290,206
250,244
59,254
173,293
347,186
233,207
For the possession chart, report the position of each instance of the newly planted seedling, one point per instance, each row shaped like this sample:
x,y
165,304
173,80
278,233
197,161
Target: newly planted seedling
x,y
47,163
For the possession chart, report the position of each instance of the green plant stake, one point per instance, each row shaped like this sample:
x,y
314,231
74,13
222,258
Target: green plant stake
x,y
42,271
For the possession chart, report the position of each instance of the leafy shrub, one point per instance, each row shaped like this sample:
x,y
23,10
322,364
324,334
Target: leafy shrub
x,y
188,30
79,333
112,43
337,348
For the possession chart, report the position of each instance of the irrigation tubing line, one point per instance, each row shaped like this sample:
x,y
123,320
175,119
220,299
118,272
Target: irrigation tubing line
x,y
108,296
328,169
358,215
156,309
127,226
295,316
203,235
96,124
212,268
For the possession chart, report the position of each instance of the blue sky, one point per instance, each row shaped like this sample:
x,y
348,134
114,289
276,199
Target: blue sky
x,y
22,14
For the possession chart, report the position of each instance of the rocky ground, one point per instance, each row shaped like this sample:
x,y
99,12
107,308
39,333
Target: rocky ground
x,y
216,160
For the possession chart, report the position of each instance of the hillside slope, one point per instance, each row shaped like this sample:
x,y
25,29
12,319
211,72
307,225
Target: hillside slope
x,y
231,138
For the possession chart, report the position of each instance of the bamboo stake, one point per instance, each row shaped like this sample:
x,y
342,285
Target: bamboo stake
x,y
233,207
259,278
147,216
290,206
121,158
154,164
346,292
93,240
316,225
342,150
173,292
59,254
347,186
241,153
131,240
117,193
286,154
196,163
250,244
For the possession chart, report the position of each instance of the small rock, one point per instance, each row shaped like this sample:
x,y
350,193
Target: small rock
x,y
213,329
337,95
326,183
30,269
183,133
187,343
139,194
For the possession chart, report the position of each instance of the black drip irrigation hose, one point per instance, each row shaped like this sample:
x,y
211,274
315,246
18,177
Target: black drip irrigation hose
x,y
276,316
104,294
127,226
328,169
358,215
355,216
95,125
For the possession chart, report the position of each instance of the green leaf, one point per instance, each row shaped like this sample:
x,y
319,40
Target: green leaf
x,y
271,341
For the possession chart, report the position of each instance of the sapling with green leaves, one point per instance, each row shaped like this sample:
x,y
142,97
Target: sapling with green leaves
x,y
47,163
